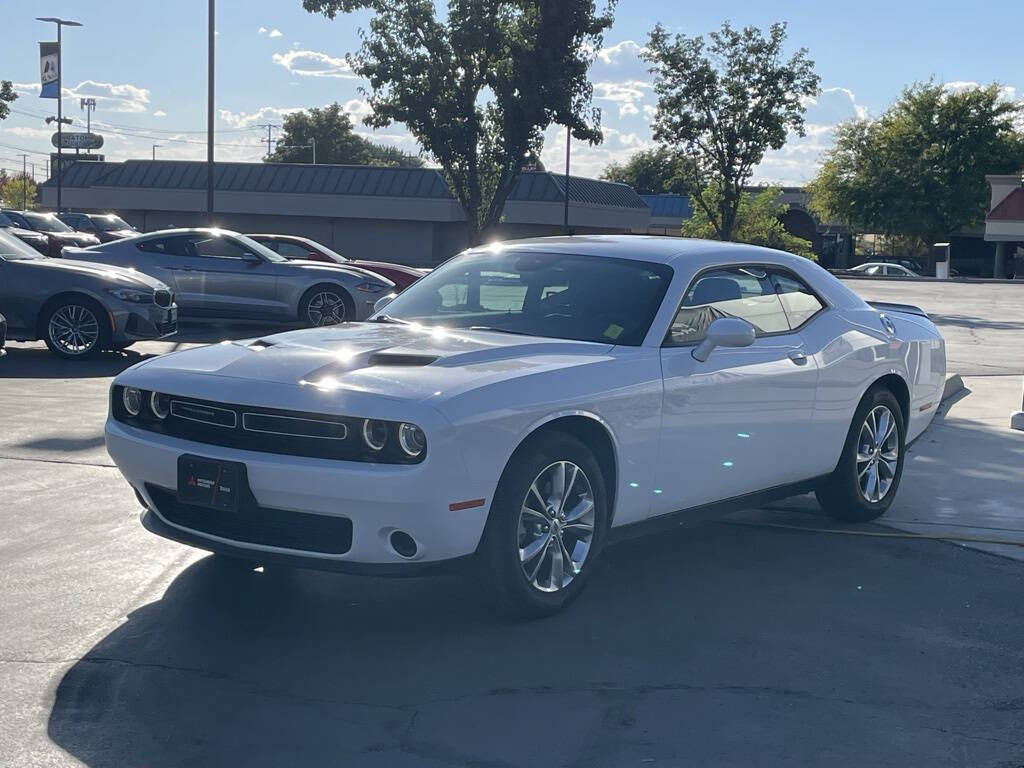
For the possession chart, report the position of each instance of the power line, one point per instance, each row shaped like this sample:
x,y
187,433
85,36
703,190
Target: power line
x,y
135,127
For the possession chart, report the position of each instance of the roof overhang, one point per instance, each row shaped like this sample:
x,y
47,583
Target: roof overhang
x,y
552,213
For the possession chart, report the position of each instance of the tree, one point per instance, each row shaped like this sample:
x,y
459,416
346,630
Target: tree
x,y
336,141
655,171
758,220
7,95
19,191
724,103
478,87
919,170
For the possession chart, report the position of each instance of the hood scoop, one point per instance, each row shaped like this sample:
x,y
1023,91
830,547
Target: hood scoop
x,y
402,360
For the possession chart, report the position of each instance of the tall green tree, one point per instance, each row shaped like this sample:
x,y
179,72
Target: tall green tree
x,y
478,86
725,102
19,191
758,220
7,95
919,170
655,171
336,141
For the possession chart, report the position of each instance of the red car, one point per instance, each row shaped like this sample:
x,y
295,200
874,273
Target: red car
x,y
293,247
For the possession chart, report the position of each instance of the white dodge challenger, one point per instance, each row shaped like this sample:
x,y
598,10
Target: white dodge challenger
x,y
524,403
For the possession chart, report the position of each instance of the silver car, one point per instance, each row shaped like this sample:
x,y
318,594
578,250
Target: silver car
x,y
220,274
76,307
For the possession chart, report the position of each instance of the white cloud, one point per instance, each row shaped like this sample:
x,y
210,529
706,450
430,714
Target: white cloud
x,y
358,108
313,64
589,161
614,54
626,93
249,119
261,31
275,32
110,97
159,113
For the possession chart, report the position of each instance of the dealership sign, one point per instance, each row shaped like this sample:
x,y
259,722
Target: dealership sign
x,y
77,140
49,70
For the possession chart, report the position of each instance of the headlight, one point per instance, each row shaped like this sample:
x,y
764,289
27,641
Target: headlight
x,y
159,404
132,399
375,433
371,287
412,439
133,295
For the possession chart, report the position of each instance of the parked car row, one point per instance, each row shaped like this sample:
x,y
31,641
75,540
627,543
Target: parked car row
x,y
75,303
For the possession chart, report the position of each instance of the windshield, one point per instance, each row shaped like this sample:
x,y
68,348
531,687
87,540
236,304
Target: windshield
x,y
12,249
561,296
47,222
110,223
5,221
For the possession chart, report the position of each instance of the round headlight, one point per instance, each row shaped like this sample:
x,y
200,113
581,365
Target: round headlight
x,y
132,399
159,404
412,439
375,433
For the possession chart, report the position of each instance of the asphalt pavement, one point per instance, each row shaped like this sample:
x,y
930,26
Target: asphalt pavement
x,y
753,641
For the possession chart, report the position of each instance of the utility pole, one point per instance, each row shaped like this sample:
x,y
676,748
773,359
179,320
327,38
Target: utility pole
x,y
154,150
60,84
568,149
89,105
270,141
209,112
24,184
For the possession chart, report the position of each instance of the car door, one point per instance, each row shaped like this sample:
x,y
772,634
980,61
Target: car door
x,y
230,280
735,423
164,258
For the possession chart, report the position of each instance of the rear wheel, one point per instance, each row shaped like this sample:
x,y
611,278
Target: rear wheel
x,y
76,328
864,484
546,527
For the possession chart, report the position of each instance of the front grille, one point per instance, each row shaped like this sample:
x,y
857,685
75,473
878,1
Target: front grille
x,y
167,328
253,524
265,430
163,298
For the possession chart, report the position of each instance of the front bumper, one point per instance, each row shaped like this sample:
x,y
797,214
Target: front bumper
x,y
378,499
135,322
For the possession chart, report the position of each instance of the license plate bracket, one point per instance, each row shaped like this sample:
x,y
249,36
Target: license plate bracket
x,y
211,483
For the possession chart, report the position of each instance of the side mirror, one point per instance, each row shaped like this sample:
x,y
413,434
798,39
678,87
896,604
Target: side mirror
x,y
724,332
383,301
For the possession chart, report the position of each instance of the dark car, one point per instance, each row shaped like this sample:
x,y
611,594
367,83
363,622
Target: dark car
x,y
37,240
58,234
294,248
79,308
105,226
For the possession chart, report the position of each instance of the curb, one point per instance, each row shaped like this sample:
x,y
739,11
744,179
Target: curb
x,y
954,386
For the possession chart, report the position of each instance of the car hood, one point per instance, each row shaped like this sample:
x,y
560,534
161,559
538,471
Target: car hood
x,y
395,361
31,234
121,276
327,267
72,237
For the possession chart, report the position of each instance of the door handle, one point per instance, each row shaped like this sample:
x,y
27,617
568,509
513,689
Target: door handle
x,y
798,357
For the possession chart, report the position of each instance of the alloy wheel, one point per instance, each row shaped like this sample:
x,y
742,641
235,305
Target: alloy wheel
x,y
326,308
878,453
556,526
74,329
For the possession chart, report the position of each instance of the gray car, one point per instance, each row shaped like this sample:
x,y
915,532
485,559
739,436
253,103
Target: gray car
x,y
220,274
76,307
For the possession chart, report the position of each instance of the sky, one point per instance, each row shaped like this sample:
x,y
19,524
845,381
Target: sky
x,y
145,64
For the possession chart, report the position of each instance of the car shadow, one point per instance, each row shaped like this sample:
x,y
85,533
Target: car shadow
x,y
708,645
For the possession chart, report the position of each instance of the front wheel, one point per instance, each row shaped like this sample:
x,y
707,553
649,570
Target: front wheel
x,y
864,484
546,527
75,329
326,305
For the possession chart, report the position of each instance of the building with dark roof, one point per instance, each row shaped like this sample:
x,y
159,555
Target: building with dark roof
x,y
399,214
1004,224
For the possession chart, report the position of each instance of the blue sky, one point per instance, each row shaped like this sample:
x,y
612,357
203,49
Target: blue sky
x,y
145,62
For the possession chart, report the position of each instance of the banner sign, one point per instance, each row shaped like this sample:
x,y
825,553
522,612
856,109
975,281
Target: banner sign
x,y
49,70
70,140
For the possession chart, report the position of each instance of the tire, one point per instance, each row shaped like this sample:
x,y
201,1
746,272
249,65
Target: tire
x,y
511,533
865,482
340,306
76,328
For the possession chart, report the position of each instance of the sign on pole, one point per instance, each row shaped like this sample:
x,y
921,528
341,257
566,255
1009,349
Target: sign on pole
x,y
49,70
70,140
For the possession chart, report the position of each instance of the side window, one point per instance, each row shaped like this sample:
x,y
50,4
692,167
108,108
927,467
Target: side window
x,y
292,251
744,292
170,246
217,248
798,301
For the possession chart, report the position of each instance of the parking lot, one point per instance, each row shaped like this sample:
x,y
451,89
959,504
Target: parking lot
x,y
757,640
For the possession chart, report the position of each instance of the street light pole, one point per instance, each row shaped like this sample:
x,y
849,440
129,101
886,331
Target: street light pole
x,y
154,149
60,86
209,114
568,148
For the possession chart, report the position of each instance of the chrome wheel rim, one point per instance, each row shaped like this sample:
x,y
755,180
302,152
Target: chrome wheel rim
x,y
74,329
878,454
556,526
326,308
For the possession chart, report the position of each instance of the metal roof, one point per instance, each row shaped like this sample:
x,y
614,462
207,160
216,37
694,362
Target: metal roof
x,y
297,178
669,206
547,187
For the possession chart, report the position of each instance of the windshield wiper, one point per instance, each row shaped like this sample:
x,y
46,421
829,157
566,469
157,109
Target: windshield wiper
x,y
389,319
499,330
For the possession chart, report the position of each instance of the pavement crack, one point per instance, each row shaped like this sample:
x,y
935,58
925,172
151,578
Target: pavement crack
x,y
7,457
